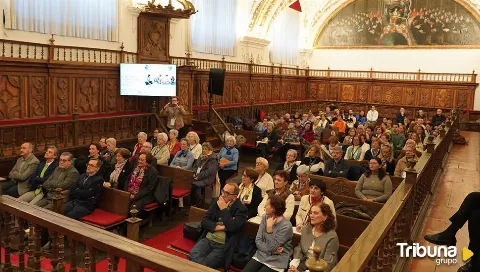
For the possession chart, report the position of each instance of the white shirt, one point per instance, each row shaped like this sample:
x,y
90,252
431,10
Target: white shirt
x,y
304,208
265,183
290,205
372,116
196,150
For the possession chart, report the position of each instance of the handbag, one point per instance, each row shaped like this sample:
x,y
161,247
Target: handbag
x,y
192,231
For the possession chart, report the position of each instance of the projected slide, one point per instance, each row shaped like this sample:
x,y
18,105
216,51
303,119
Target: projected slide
x,y
148,79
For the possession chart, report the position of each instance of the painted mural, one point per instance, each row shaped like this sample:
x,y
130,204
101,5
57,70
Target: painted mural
x,y
401,22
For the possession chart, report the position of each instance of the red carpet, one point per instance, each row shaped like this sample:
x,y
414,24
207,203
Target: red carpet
x,y
160,242
45,264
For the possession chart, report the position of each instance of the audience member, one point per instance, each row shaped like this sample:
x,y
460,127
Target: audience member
x,y
340,124
173,144
227,160
121,170
372,116
374,185
64,176
42,173
273,240
205,173
355,151
388,161
469,211
281,189
374,151
332,143
146,148
317,190
160,151
154,138
250,194
289,140
184,158
300,187
319,232
348,140
421,114
268,140
361,118
194,144
313,160
109,154
398,139
223,226
103,145
290,165
264,181
418,142
401,116
438,118
142,182
402,163
18,178
142,138
84,195
336,166
350,119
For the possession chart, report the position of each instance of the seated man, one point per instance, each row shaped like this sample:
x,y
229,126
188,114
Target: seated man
x,y
85,193
281,189
402,163
17,183
147,148
336,166
468,211
42,173
223,226
63,177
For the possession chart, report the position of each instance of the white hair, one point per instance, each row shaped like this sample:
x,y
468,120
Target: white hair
x,y
163,136
143,134
149,144
174,132
195,136
293,151
302,169
263,161
231,137
112,141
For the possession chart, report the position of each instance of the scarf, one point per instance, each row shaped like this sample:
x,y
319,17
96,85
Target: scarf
x,y
172,144
288,168
116,172
136,180
247,196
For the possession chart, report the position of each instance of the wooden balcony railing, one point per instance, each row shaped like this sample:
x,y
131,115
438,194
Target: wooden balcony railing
x,y
401,218
77,131
206,64
51,53
15,213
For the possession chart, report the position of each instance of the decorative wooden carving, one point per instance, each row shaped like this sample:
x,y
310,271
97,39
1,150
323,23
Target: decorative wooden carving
x,y
348,92
62,96
88,92
183,93
462,98
9,97
112,90
362,93
37,102
153,38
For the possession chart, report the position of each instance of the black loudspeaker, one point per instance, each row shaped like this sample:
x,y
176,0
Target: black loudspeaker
x,y
216,80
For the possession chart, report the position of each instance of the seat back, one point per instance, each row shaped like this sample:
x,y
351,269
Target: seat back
x,y
182,179
115,201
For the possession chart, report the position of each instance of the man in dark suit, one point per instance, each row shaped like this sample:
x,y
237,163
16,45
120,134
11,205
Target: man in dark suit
x,y
85,193
223,225
336,166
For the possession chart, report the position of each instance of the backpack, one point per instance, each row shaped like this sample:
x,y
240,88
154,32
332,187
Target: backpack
x,y
245,250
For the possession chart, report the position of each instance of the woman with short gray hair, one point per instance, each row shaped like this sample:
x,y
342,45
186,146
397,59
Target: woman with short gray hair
x,y
160,151
228,160
142,138
173,144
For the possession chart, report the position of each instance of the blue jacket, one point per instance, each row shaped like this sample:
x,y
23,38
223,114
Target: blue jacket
x,y
36,180
183,159
230,154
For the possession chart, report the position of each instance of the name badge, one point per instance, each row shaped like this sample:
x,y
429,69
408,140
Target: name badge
x,y
172,121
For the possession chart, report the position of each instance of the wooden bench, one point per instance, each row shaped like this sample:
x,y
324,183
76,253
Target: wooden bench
x,y
182,180
112,210
250,136
339,186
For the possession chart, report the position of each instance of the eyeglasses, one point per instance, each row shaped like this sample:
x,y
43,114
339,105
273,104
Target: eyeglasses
x,y
64,160
228,193
92,165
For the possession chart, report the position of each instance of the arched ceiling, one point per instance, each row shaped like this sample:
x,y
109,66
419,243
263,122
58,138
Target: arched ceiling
x,y
314,14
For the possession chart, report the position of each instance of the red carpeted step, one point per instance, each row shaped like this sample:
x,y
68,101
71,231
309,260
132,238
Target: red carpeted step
x,y
183,244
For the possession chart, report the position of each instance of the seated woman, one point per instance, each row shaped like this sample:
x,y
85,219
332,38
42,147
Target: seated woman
x,y
290,165
306,135
94,153
323,123
375,151
349,138
184,158
290,140
264,181
206,168
332,142
173,144
317,190
250,194
388,161
194,144
227,160
319,232
268,140
374,185
281,189
300,186
141,139
160,151
418,142
355,151
122,170
340,124
363,142
313,160
273,240
142,182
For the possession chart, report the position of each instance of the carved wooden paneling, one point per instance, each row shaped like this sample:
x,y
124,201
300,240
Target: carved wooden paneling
x,y
37,97
410,95
362,91
10,97
333,92
153,41
462,98
347,93
184,93
322,91
111,95
63,93
443,98
425,97
276,90
88,90
377,94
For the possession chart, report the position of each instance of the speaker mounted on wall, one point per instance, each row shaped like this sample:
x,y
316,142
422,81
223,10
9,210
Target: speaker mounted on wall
x,y
216,81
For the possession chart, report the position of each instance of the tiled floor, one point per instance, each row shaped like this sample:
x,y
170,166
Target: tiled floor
x,y
461,176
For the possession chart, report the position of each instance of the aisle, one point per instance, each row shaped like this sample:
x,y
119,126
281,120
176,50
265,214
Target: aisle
x,y
461,176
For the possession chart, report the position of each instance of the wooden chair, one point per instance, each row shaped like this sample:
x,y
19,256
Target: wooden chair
x,y
250,136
